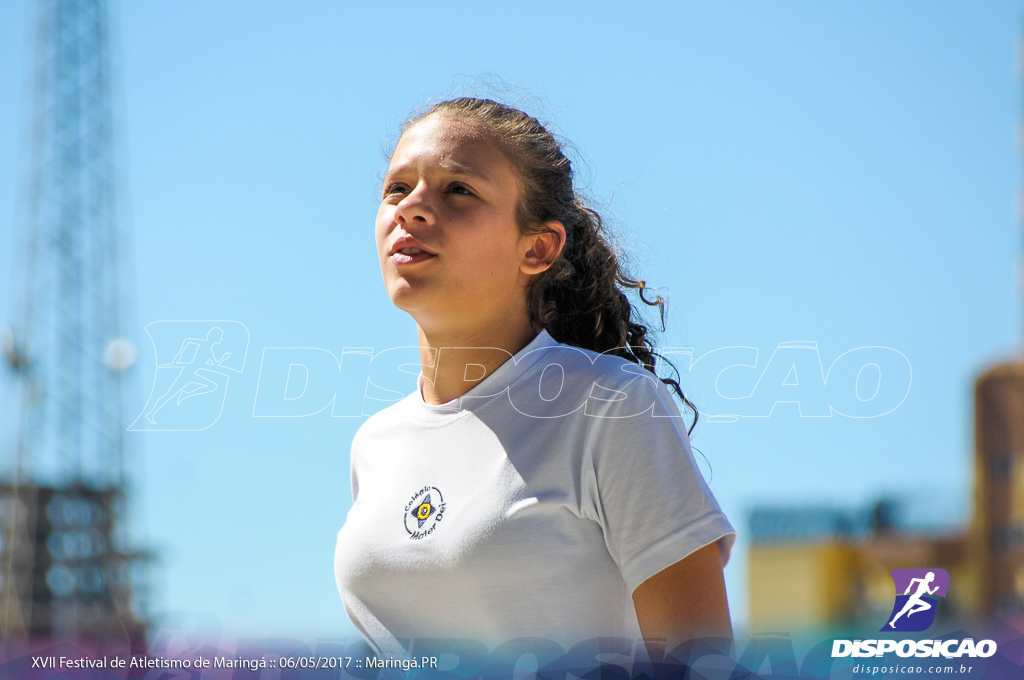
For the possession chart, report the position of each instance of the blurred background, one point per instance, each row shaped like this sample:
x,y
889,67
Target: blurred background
x,y
828,196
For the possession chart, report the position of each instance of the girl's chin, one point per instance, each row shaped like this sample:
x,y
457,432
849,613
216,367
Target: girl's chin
x,y
416,300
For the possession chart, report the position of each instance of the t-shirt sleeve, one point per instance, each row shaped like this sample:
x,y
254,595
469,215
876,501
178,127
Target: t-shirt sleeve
x,y
642,485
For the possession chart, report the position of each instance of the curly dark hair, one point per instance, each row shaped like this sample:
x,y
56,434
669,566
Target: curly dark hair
x,y
581,299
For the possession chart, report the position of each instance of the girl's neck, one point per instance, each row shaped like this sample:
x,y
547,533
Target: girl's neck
x,y
453,362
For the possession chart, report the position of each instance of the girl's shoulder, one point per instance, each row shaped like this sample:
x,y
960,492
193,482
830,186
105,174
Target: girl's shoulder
x,y
561,378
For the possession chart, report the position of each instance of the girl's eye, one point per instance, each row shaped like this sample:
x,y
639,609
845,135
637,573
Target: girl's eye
x,y
394,189
459,189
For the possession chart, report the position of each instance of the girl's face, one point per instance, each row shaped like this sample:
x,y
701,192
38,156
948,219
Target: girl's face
x,y
449,245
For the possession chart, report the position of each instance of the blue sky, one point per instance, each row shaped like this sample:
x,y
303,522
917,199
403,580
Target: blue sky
x,y
845,174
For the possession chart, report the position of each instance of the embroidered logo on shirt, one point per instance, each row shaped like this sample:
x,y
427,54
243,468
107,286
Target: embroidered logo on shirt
x,y
424,512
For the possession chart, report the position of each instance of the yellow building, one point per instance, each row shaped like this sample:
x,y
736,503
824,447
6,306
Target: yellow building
x,y
825,567
795,585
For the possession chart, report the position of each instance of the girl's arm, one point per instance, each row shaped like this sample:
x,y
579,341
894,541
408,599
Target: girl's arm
x,y
686,600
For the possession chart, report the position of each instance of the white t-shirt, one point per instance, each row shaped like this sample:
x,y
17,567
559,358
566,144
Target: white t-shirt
x,y
531,507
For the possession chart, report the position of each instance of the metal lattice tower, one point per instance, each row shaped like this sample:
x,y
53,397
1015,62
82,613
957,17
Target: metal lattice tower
x,y
66,569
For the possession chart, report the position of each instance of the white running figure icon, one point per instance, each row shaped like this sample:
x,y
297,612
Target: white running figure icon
x,y
915,604
203,384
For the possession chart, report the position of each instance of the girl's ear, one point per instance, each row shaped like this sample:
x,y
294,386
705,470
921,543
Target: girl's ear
x,y
542,249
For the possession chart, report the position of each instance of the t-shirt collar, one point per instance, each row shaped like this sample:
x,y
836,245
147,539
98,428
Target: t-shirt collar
x,y
500,378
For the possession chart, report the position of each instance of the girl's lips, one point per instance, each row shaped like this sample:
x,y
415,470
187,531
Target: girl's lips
x,y
400,258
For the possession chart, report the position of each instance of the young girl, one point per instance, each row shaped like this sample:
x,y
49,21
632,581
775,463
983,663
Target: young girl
x,y
539,484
